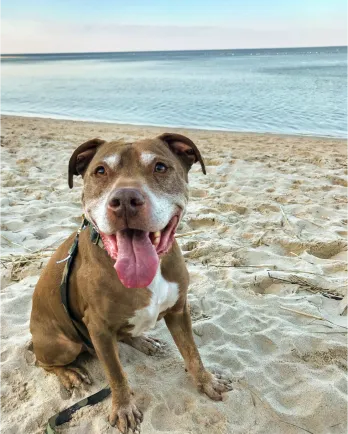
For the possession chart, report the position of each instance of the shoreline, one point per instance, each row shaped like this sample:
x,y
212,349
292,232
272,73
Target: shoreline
x,y
174,51
19,56
172,128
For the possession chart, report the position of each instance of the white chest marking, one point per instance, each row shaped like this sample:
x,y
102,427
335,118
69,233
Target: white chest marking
x,y
164,295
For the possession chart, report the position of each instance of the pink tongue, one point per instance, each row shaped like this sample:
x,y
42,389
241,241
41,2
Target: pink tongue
x,y
137,260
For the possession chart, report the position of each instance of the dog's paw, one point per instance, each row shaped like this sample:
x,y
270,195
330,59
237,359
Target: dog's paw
x,y
146,344
72,376
127,418
214,385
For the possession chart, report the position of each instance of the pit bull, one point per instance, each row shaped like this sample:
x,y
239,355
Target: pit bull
x,y
134,196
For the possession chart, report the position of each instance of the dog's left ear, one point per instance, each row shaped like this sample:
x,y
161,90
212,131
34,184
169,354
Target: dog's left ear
x,y
81,158
184,148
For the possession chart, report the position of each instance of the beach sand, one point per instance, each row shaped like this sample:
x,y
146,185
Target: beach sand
x,y
270,207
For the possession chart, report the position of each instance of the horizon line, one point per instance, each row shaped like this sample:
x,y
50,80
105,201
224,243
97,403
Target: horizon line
x,y
172,51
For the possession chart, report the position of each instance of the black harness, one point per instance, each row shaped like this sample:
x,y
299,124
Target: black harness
x,y
64,286
66,415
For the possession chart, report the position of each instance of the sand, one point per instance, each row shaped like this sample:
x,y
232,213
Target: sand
x,y
271,207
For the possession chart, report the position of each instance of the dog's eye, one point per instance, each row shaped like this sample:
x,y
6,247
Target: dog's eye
x,y
160,168
100,170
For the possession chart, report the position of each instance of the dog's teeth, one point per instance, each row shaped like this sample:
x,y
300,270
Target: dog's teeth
x,y
156,238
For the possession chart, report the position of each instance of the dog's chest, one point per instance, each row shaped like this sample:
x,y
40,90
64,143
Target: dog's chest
x,y
164,295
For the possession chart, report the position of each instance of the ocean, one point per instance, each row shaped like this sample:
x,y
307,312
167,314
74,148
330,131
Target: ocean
x,y
291,91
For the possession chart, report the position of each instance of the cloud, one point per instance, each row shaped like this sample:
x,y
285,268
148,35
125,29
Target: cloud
x,y
30,36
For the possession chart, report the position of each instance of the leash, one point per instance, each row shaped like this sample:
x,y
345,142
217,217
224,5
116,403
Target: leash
x,y
66,415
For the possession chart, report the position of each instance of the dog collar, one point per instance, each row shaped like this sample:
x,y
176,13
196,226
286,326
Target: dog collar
x,y
94,234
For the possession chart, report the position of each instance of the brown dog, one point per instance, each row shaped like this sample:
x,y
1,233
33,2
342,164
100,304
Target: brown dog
x,y
134,195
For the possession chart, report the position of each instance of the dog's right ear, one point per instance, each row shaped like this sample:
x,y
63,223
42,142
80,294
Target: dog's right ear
x,y
81,158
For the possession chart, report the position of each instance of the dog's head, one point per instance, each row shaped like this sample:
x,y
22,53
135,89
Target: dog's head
x,y
135,195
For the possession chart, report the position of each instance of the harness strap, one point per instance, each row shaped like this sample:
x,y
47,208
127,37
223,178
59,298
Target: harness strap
x,y
66,415
64,287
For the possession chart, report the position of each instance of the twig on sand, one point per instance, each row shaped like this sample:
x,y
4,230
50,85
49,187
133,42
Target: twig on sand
x,y
310,286
244,266
309,315
303,259
269,267
285,217
330,333
286,220
294,271
16,244
259,241
187,234
293,279
270,409
343,305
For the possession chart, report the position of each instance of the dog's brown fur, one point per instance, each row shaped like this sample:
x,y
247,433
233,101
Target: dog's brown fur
x,y
100,301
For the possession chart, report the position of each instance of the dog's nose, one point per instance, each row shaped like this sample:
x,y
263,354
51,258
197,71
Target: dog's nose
x,y
127,200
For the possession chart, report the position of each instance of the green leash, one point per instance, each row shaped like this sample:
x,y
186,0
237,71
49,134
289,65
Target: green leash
x,y
66,415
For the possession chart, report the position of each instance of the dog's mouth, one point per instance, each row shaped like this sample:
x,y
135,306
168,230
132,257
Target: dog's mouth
x,y
137,252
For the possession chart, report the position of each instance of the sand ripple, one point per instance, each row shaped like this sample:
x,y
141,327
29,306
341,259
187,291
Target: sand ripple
x,y
270,207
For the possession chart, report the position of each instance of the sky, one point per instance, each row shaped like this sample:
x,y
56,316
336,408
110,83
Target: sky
x,y
51,26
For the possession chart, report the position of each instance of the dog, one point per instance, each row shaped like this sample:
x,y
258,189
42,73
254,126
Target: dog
x,y
134,196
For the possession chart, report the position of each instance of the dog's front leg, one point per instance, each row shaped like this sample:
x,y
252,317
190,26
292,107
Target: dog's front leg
x,y
180,327
124,413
